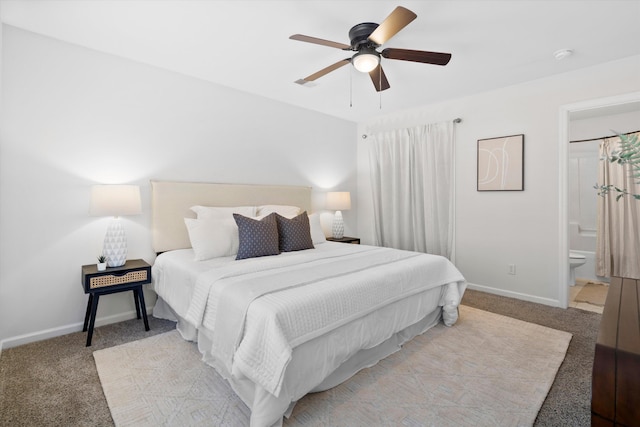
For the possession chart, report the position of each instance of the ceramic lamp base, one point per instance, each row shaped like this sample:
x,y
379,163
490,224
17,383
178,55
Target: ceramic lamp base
x,y
338,226
115,244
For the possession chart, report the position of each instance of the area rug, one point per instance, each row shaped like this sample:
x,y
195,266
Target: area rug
x,y
593,293
486,370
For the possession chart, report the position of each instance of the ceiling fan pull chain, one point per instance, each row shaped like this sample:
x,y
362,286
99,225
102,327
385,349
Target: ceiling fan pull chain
x,y
380,86
350,88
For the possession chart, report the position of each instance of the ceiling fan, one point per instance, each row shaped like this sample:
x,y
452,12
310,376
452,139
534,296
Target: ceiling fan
x,y
366,38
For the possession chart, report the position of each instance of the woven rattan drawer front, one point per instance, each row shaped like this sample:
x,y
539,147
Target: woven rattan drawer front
x,y
110,280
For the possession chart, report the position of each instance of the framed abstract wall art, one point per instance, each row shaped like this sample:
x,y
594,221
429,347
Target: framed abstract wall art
x,y
501,163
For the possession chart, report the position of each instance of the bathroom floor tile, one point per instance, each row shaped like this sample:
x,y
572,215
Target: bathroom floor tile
x,y
573,292
589,307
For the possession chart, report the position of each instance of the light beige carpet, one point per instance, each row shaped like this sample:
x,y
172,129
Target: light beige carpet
x,y
593,293
486,370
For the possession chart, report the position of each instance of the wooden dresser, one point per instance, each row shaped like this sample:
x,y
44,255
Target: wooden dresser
x,y
615,387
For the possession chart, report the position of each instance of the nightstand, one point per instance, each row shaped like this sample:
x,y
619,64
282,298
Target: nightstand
x,y
129,277
345,239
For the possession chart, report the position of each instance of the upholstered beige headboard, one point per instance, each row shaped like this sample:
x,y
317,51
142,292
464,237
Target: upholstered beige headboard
x,y
171,200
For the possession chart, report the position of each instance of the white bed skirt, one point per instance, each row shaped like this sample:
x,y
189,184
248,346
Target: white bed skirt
x,y
329,369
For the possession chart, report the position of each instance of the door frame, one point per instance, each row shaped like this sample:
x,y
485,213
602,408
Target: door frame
x,y
605,104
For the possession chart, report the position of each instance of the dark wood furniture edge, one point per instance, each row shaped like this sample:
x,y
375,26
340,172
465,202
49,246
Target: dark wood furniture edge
x,y
615,397
345,239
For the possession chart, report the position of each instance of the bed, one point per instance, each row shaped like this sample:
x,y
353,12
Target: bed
x,y
303,320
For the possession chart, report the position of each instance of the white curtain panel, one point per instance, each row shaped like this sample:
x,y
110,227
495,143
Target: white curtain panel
x,y
413,188
618,223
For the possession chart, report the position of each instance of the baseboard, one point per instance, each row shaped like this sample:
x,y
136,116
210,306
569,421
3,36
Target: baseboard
x,y
516,295
68,329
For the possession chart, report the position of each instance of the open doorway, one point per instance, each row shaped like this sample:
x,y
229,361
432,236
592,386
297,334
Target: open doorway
x,y
587,132
571,114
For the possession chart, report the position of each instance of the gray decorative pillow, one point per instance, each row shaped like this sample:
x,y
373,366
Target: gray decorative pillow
x,y
257,237
295,233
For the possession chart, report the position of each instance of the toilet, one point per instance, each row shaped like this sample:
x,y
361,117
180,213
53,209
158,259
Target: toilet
x,y
575,260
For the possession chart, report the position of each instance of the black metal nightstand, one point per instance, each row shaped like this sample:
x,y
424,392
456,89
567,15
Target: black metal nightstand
x,y
129,277
345,239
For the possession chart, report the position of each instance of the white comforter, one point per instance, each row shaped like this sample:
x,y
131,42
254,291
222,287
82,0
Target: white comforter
x,y
260,309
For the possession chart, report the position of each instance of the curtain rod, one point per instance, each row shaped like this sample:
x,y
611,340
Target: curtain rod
x,y
455,121
604,137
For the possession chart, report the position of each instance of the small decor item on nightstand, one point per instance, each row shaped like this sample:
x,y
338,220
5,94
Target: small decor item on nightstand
x,y
102,263
338,201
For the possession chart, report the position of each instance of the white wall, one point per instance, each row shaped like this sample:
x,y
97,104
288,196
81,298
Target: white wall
x,y
583,175
605,124
75,117
494,229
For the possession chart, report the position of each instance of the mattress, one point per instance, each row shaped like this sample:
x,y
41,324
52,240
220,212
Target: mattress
x,y
280,327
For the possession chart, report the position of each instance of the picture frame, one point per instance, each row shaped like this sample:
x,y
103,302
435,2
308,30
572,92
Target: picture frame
x,y
501,163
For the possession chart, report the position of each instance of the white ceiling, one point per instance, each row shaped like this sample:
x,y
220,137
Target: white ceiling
x,y
245,44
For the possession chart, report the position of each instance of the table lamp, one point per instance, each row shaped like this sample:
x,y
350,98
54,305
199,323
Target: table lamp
x,y
338,201
115,201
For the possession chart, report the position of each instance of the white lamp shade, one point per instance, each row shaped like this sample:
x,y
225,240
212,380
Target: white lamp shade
x,y
115,200
339,200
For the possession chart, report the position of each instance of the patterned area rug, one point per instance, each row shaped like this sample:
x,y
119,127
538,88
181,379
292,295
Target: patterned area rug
x,y
486,370
593,293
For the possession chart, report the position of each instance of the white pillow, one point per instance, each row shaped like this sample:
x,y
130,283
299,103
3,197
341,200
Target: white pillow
x,y
284,210
207,212
212,238
317,235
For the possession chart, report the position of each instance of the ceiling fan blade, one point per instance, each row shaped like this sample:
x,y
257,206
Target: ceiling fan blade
x,y
396,21
324,71
437,58
379,79
322,42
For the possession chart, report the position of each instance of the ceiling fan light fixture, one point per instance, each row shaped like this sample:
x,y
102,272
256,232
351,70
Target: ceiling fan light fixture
x,y
366,60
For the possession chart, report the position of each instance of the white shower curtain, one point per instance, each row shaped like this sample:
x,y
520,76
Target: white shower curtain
x,y
412,172
618,223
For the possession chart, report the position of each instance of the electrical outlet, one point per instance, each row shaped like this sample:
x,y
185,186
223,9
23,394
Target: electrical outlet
x,y
511,269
